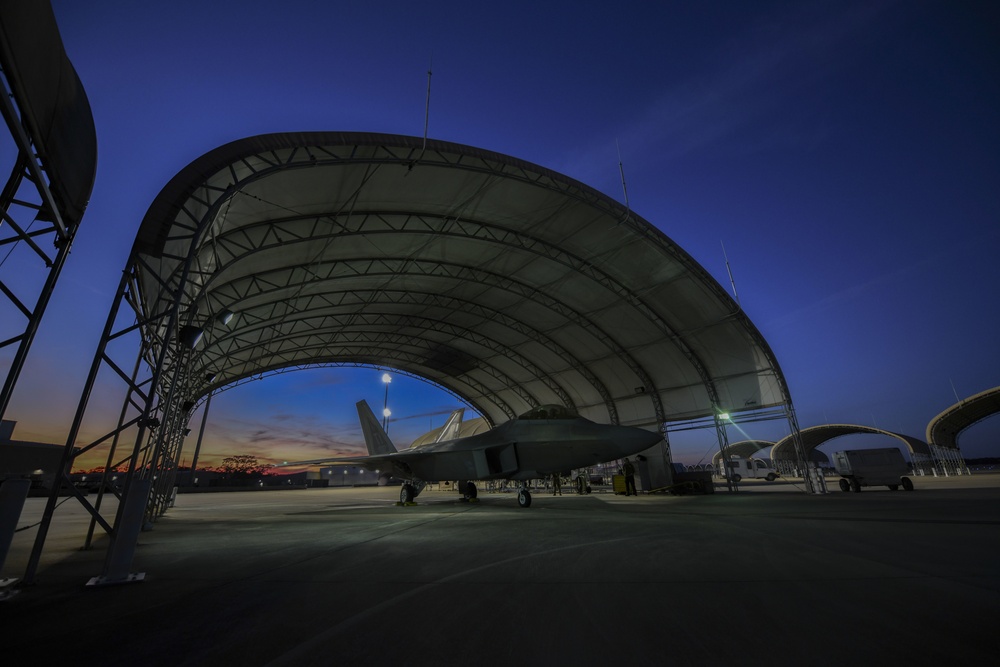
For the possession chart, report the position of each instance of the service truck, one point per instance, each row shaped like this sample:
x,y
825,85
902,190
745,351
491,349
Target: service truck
x,y
737,468
872,467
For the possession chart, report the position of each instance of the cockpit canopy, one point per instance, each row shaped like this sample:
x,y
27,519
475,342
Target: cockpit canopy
x,y
550,411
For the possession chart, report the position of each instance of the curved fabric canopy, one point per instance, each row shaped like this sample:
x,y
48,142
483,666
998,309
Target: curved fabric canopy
x,y
943,430
54,106
815,436
503,282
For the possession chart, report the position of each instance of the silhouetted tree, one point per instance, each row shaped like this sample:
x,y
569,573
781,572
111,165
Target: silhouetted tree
x,y
100,469
244,465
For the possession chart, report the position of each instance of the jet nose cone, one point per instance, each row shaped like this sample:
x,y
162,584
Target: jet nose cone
x,y
635,440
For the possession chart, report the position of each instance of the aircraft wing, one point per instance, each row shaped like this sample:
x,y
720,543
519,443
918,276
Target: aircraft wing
x,y
347,460
377,462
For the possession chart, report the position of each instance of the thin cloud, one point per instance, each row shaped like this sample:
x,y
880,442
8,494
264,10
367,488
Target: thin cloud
x,y
279,440
759,68
944,255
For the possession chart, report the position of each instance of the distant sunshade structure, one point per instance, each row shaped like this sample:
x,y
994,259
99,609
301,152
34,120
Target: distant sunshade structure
x,y
503,282
945,428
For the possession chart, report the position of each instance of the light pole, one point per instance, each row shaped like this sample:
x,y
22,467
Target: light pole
x,y
720,429
386,378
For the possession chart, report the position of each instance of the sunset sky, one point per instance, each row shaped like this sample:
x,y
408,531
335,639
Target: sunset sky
x,y
847,155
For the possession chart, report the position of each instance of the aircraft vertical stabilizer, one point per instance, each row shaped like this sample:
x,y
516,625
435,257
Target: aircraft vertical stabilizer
x,y
451,427
376,438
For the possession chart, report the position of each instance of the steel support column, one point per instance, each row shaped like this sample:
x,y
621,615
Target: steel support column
x,y
723,438
26,194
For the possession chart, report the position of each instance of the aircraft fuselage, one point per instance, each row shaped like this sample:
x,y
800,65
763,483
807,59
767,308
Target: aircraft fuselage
x,y
526,449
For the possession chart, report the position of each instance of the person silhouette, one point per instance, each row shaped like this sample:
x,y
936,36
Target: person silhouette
x,y
628,469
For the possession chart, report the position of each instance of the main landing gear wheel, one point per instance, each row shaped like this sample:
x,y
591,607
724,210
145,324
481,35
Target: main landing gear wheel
x,y
524,498
844,485
470,491
907,484
407,494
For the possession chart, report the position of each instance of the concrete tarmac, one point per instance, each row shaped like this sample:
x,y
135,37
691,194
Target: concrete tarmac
x,y
769,575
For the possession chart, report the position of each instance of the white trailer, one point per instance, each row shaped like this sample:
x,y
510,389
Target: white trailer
x,y
737,468
872,467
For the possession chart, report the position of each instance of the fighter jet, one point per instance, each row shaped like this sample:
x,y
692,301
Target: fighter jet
x,y
545,440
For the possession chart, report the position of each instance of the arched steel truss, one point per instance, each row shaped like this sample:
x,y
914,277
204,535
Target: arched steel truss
x,y
504,283
51,156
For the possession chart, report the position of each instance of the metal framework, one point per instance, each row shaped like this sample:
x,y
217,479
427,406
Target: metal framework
x,y
504,283
39,203
796,461
31,232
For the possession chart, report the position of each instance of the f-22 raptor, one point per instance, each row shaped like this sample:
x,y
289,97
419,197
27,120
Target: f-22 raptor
x,y
545,440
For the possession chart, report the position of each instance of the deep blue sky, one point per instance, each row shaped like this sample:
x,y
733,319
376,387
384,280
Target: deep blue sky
x,y
846,153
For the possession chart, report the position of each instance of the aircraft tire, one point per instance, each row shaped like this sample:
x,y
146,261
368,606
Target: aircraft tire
x,y
524,498
406,494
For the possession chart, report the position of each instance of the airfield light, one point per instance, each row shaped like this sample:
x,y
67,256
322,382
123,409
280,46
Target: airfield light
x,y
386,378
189,335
